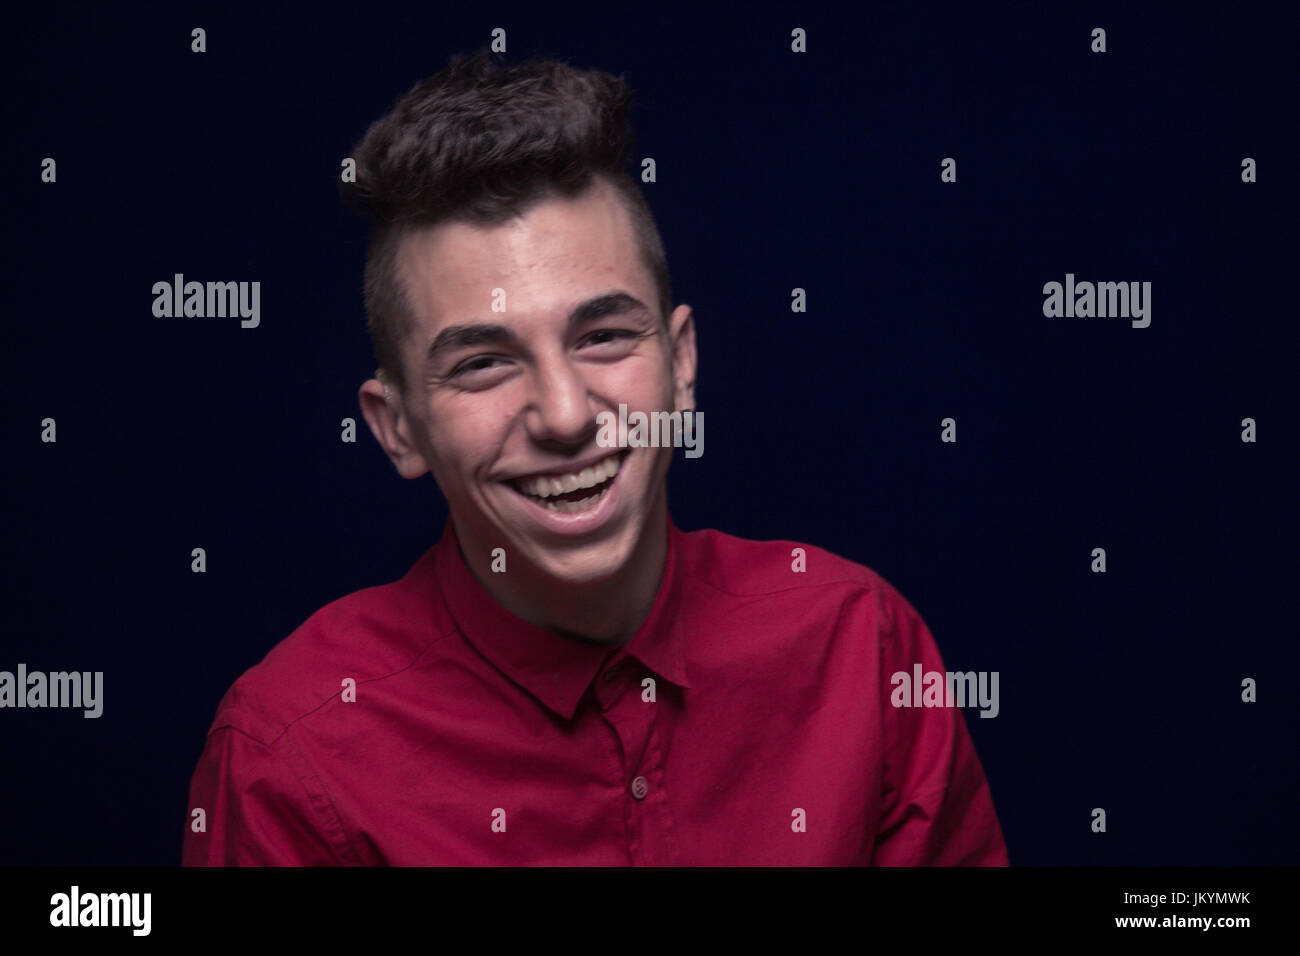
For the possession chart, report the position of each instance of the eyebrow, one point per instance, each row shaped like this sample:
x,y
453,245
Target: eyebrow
x,y
472,334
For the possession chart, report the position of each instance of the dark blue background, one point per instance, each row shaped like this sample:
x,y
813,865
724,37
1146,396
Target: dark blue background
x,y
775,170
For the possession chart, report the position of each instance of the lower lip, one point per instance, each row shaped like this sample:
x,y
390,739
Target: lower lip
x,y
583,522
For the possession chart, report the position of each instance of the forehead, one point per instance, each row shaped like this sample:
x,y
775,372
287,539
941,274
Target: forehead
x,y
553,255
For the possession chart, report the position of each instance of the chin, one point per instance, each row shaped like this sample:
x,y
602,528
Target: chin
x,y
590,565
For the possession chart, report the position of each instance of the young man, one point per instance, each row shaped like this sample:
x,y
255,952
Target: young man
x,y
567,677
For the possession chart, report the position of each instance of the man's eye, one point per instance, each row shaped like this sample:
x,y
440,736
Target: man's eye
x,y
594,338
474,364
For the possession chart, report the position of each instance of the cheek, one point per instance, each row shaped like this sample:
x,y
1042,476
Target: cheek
x,y
639,384
465,433
460,450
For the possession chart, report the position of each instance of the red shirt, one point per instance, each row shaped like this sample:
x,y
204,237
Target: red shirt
x,y
476,737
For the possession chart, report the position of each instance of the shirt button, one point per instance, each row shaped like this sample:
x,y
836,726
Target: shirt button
x,y
640,787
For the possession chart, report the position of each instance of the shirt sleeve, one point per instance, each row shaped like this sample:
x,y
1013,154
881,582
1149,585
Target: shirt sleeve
x,y
256,809
937,809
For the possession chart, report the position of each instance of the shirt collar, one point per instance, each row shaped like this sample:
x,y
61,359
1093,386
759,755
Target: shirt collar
x,y
554,668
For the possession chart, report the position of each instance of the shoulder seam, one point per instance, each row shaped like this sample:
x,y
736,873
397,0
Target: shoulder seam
x,y
369,680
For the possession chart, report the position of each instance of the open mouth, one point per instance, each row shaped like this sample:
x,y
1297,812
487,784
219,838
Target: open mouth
x,y
574,492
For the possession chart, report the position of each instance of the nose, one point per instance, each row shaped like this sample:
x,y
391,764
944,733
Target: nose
x,y
560,409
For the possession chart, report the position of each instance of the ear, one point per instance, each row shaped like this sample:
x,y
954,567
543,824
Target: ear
x,y
681,335
386,415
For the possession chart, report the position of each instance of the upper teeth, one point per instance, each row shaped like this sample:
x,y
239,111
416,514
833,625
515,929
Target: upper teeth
x,y
544,486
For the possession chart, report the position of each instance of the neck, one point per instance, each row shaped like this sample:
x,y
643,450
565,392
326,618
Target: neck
x,y
607,611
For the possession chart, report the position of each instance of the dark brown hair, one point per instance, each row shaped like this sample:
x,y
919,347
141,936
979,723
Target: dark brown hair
x,y
483,142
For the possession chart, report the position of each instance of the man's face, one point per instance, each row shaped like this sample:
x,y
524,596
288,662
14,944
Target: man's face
x,y
502,402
